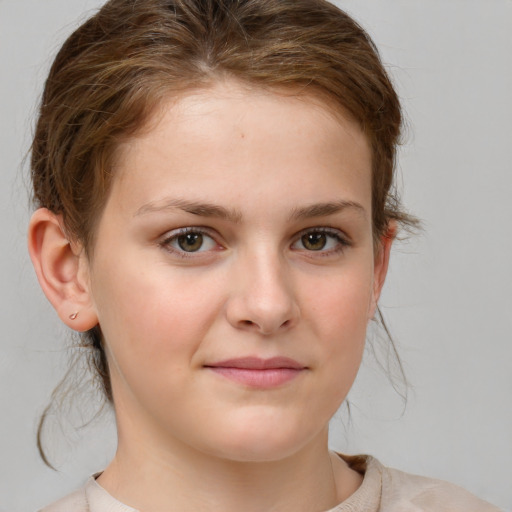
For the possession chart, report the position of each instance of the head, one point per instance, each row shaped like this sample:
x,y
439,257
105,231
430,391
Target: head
x,y
115,74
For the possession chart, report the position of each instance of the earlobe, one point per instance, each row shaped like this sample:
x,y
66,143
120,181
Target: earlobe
x,y
61,270
381,265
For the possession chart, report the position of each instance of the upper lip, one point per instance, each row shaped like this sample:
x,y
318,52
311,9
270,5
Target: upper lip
x,y
257,363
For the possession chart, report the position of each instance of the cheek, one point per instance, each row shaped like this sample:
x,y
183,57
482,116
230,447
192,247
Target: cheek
x,y
339,316
153,324
150,318
340,308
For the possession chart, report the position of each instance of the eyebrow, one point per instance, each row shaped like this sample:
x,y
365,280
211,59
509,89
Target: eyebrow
x,y
194,207
203,209
325,209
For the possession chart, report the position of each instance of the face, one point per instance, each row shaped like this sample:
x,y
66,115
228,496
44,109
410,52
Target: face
x,y
234,275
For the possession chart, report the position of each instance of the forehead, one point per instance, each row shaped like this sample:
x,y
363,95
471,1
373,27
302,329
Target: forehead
x,y
245,140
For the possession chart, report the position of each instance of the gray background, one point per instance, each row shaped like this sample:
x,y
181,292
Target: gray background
x,y
447,300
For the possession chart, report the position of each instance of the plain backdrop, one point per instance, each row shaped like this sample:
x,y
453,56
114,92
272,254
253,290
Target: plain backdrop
x,y
448,298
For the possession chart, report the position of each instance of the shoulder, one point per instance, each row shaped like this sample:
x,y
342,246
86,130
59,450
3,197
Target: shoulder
x,y
91,498
75,502
413,493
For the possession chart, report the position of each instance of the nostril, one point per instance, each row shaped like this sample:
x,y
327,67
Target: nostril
x,y
254,325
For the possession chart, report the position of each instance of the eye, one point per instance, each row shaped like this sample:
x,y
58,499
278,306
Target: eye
x,y
189,240
320,240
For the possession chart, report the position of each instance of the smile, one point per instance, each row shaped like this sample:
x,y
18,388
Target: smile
x,y
259,373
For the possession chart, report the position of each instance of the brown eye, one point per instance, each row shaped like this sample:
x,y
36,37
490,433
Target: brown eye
x,y
314,241
190,242
325,241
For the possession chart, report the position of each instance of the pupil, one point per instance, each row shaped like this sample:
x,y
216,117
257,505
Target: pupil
x,y
314,241
190,242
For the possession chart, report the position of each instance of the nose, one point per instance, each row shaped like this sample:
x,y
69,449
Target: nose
x,y
263,298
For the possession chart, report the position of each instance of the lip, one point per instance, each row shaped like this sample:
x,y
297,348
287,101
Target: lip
x,y
258,373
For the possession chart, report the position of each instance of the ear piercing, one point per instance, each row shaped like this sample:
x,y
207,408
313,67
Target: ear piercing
x,y
73,316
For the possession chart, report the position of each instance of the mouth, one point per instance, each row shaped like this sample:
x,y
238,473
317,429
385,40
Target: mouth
x,y
260,373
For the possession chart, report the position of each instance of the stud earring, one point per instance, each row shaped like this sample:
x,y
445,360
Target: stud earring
x,y
73,316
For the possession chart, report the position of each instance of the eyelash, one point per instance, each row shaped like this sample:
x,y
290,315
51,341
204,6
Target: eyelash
x,y
166,243
342,241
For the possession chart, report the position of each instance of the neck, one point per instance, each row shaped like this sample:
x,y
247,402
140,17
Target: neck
x,y
152,478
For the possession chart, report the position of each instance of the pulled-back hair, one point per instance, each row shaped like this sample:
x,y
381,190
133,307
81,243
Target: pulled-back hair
x,y
118,66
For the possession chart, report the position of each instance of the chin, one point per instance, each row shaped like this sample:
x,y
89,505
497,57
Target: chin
x,y
263,441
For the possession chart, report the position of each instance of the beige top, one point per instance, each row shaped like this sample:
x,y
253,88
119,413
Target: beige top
x,y
383,490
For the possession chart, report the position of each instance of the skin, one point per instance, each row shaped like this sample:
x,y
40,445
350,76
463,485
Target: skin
x,y
242,168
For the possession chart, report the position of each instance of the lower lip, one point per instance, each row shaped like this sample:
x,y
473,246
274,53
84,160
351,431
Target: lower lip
x,y
264,379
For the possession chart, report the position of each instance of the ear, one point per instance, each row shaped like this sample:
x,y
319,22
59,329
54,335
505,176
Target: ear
x,y
381,264
62,270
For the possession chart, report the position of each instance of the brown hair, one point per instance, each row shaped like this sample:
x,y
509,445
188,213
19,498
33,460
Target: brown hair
x,y
120,64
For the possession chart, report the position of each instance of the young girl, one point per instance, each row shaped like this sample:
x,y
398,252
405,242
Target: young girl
x,y
213,181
